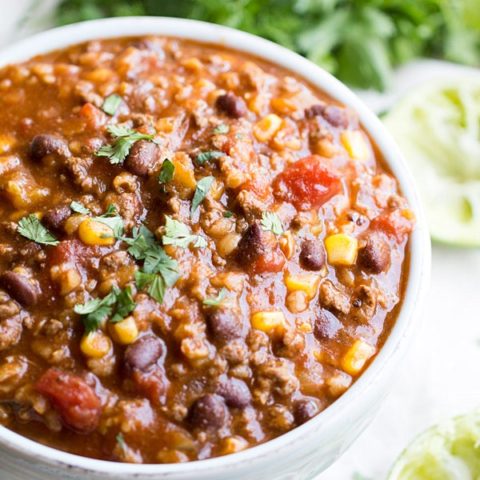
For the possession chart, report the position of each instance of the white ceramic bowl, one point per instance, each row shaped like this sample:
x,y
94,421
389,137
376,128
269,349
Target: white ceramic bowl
x,y
312,447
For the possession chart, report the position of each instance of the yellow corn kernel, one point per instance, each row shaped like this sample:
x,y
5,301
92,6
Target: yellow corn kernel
x,y
73,222
165,125
6,143
357,356
408,214
287,244
125,332
233,444
283,105
95,344
307,283
92,232
183,175
217,190
341,249
305,327
355,144
267,127
99,75
193,64
269,322
255,103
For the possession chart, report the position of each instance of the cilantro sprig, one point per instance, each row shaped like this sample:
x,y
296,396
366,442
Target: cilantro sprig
x,y
113,220
166,172
179,235
271,222
30,227
203,187
78,207
117,305
204,157
125,138
159,271
218,300
111,104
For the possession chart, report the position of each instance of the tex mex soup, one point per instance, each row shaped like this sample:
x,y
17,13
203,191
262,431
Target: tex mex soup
x,y
198,250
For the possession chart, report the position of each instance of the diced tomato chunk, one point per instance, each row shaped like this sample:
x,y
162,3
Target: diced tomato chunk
x,y
93,117
75,401
394,223
69,251
152,384
307,183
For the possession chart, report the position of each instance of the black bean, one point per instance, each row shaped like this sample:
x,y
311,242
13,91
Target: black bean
x,y
336,116
231,105
374,257
312,255
251,245
142,157
43,145
305,409
55,218
225,325
208,412
326,325
315,110
19,287
144,353
235,393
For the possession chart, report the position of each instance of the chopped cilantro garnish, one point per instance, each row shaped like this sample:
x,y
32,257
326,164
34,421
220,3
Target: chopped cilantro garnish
x,y
121,441
221,129
270,221
124,139
216,301
166,172
203,187
111,104
159,270
78,207
228,214
31,228
207,156
112,219
179,235
96,311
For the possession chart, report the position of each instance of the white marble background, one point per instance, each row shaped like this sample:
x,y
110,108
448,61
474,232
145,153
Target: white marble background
x,y
440,376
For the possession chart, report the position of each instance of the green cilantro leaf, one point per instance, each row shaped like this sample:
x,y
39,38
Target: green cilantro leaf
x,y
227,214
111,219
77,207
270,221
121,441
153,283
111,104
31,228
179,235
125,304
222,129
166,172
96,311
207,156
203,187
216,301
124,140
159,270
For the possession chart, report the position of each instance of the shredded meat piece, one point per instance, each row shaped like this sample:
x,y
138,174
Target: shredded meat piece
x,y
364,303
333,298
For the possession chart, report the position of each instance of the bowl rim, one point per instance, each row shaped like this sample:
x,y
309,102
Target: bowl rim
x,y
419,267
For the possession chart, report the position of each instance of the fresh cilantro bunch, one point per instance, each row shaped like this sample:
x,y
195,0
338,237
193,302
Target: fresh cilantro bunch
x,y
359,41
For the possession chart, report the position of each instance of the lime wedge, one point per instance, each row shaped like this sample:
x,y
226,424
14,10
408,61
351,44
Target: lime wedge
x,y
438,129
448,451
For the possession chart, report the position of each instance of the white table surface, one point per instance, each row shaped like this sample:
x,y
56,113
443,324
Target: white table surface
x,y
439,377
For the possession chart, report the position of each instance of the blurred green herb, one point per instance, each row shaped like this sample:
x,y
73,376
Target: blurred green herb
x,y
360,41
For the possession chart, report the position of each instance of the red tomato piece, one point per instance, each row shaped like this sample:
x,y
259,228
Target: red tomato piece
x,y
93,117
69,251
152,384
75,401
307,183
394,223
